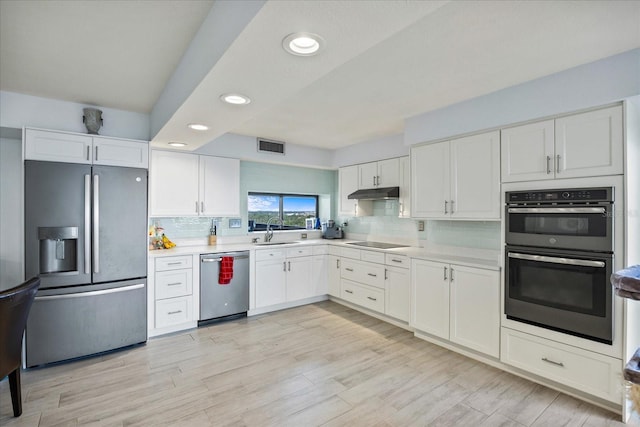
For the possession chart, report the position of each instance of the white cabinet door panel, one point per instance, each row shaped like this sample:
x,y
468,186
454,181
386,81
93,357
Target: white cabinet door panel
x,y
334,275
299,283
57,147
173,182
388,173
320,275
430,180
404,201
348,183
219,186
528,152
397,297
367,175
115,152
271,283
430,297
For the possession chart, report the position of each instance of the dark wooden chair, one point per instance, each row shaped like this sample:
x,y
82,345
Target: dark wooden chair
x,y
15,304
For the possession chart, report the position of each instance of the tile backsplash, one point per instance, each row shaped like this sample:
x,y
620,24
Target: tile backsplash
x,y
195,227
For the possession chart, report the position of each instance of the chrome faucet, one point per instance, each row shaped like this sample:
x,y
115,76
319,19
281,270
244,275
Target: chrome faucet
x,y
269,234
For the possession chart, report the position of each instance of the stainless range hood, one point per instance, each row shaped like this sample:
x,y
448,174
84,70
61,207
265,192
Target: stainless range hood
x,y
376,193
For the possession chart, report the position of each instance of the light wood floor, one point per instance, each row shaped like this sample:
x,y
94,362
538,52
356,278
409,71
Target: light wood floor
x,y
321,364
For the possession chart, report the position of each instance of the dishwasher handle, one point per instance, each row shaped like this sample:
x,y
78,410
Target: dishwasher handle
x,y
216,258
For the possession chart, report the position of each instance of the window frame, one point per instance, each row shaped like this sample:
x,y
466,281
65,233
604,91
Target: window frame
x,y
280,214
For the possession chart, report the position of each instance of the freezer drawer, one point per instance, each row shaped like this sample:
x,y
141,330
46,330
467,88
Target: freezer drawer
x,y
84,320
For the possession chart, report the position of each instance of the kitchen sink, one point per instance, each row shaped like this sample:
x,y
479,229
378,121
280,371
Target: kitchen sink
x,y
275,243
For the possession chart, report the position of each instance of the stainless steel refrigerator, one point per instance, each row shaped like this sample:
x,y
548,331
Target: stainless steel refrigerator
x,y
86,238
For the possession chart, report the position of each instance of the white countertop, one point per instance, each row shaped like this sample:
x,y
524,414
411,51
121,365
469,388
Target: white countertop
x,y
491,262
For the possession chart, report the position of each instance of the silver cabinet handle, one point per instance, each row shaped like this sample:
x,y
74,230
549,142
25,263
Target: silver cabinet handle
x,y
445,274
338,263
87,223
374,181
451,275
202,207
445,206
289,262
544,359
372,298
284,265
558,163
377,180
96,223
175,263
396,260
88,153
555,260
196,206
174,284
175,312
385,274
96,153
348,291
372,275
91,293
548,165
349,269
452,202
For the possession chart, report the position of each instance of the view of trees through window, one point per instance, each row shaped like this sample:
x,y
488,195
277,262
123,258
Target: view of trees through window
x,y
293,209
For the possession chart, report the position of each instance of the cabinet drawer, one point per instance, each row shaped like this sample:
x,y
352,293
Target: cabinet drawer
x,y
366,296
362,272
270,254
299,251
174,283
334,250
174,262
173,311
583,370
372,256
397,260
321,250
350,253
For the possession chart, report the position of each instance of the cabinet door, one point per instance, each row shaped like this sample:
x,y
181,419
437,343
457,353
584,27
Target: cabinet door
x,y
368,175
271,287
388,173
120,152
475,176
299,283
589,144
430,297
333,278
430,181
173,184
348,183
219,186
528,152
404,201
320,275
475,309
57,146
397,297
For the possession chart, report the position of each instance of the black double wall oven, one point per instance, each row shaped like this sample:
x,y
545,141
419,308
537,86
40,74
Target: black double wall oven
x,y
559,257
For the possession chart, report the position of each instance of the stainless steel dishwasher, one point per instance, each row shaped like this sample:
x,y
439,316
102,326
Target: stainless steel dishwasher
x,y
223,302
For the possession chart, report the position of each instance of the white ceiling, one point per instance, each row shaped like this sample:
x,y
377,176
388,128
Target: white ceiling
x,y
384,61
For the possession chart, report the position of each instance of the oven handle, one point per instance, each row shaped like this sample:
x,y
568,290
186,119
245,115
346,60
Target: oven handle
x,y
568,261
557,210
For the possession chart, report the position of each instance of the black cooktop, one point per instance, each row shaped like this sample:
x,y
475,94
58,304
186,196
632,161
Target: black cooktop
x,y
378,245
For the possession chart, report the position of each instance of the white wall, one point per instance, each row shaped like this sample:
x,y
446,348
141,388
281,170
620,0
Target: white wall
x,y
371,151
597,83
11,212
19,110
246,148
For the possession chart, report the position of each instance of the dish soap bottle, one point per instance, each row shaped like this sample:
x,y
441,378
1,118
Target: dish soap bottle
x,y
212,236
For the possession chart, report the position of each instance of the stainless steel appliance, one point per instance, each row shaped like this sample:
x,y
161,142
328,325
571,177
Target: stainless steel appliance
x,y
559,257
223,301
85,237
377,245
332,231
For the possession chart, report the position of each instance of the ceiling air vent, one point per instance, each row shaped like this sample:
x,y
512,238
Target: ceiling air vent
x,y
269,146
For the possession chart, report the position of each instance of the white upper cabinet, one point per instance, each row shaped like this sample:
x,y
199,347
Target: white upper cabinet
x,y
348,183
404,201
581,145
183,184
457,179
384,173
55,146
219,186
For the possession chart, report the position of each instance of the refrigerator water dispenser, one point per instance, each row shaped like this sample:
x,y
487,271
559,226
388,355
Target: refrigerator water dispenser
x,y
58,250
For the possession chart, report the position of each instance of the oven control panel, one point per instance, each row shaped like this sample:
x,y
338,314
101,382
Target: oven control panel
x,y
560,195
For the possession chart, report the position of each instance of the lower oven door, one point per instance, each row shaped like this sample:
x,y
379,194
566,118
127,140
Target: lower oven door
x,y
567,291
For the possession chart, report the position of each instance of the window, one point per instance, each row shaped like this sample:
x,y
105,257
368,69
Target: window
x,y
292,209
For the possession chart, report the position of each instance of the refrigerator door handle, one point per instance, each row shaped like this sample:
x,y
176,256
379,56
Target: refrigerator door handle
x,y
90,293
87,224
96,224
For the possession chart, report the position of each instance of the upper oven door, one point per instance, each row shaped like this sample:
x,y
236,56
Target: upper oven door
x,y
583,227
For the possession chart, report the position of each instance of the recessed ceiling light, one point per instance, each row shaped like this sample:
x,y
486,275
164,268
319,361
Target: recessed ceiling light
x,y
197,126
235,99
302,44
177,144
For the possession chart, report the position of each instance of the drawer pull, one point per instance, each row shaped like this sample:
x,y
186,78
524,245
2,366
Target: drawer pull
x,y
544,359
373,299
174,263
372,275
174,284
175,312
396,260
349,269
348,291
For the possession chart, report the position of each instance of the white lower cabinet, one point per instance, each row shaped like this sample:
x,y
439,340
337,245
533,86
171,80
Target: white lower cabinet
x,y
173,311
397,293
367,296
580,369
171,301
271,280
333,275
457,303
